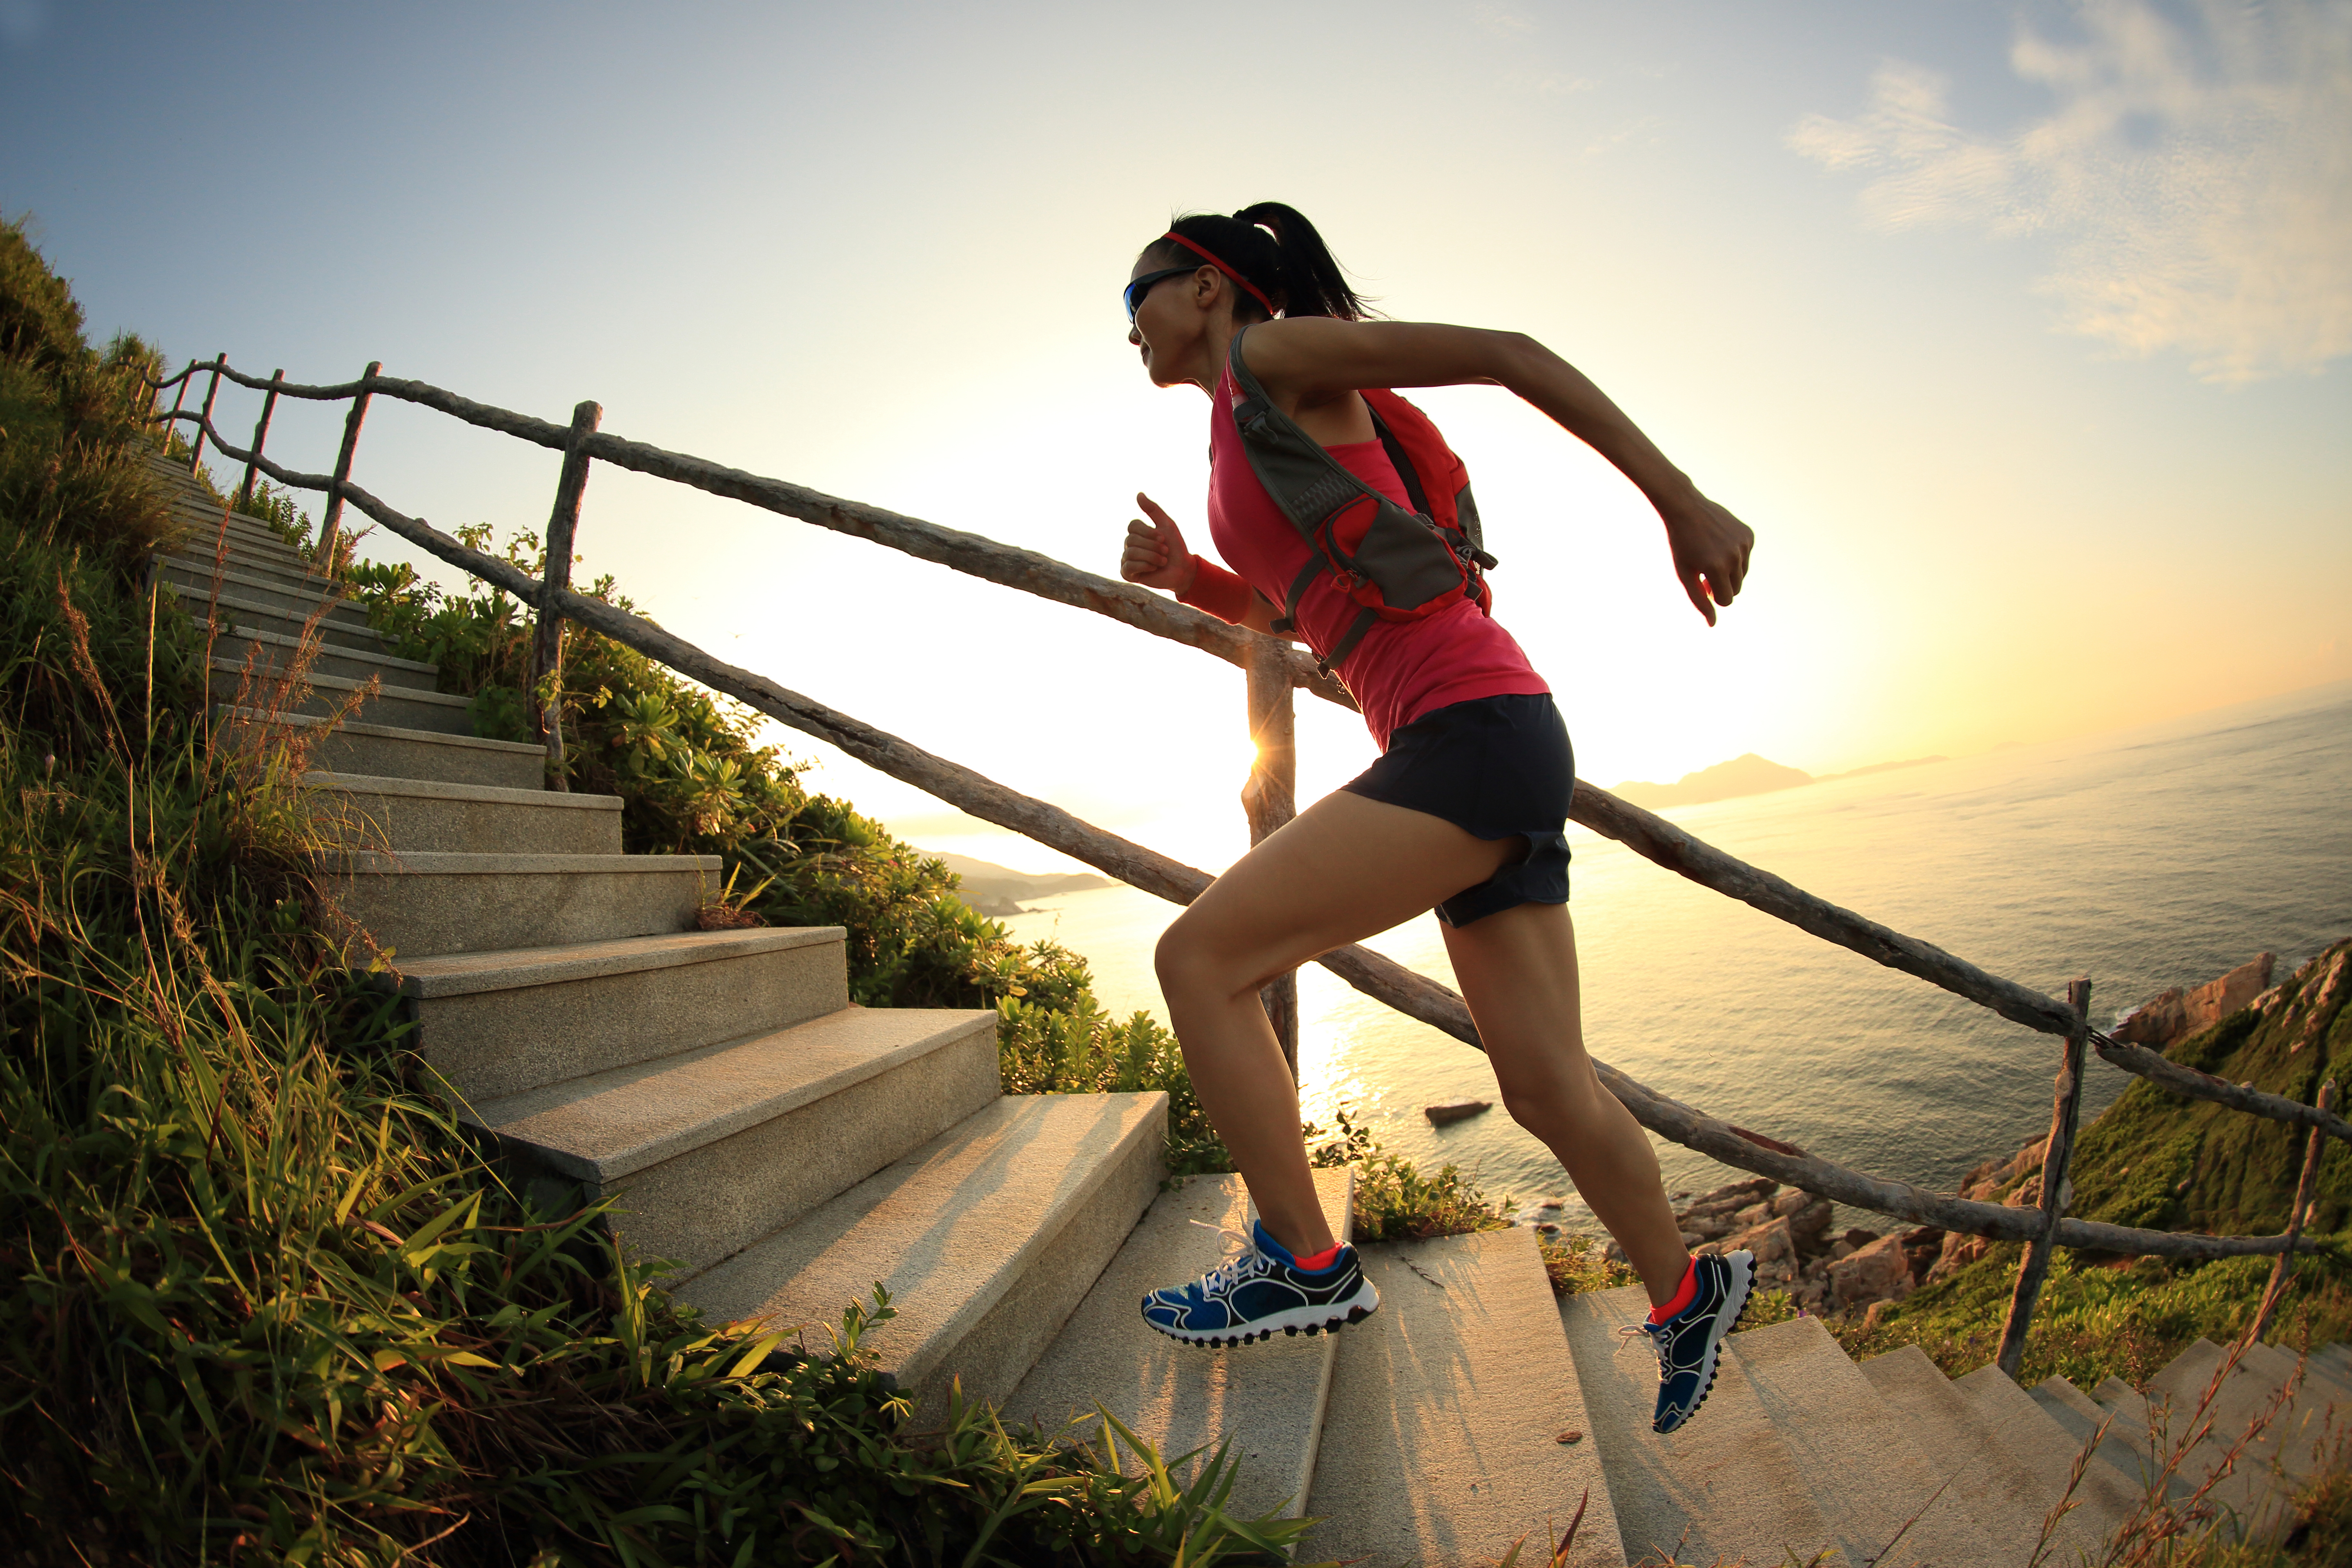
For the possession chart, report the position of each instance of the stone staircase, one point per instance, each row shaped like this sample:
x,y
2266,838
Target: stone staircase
x,y
787,1151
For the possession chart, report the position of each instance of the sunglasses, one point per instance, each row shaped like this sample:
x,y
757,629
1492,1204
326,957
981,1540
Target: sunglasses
x,y
1145,284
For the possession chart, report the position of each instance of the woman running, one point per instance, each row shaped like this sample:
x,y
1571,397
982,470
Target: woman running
x,y
1466,810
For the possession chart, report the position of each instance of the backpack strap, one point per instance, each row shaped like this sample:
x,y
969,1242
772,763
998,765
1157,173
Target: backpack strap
x,y
1403,463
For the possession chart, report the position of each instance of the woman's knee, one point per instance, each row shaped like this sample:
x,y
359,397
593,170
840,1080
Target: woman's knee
x,y
1183,961
1557,1102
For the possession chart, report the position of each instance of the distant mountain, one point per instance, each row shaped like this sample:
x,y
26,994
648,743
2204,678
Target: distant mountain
x,y
1743,776
995,890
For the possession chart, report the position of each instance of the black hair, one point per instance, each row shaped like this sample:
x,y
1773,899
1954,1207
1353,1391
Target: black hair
x,y
1275,248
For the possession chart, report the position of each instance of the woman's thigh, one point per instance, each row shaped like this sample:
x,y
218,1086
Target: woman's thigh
x,y
1518,973
1345,868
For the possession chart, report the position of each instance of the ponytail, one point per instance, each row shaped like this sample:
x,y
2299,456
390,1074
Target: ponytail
x,y
1275,252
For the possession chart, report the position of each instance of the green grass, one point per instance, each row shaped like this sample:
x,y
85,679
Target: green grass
x,y
263,1300
2156,1160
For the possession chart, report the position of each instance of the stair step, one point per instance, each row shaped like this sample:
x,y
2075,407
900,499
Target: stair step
x,y
712,1149
268,578
1868,1478
403,707
2126,1447
1266,1399
207,522
2008,1495
1725,1487
497,1023
1439,1439
192,581
986,1238
2126,1402
426,903
2293,1445
388,751
276,651
404,813
205,518
234,612
2244,1398
2104,1495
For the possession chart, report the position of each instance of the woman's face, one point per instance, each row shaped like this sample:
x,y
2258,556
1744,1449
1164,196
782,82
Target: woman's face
x,y
1168,319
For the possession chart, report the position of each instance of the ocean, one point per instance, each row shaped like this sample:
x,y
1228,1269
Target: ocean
x,y
2144,859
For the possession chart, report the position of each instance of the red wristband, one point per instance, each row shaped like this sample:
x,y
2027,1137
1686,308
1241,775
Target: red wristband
x,y
1217,591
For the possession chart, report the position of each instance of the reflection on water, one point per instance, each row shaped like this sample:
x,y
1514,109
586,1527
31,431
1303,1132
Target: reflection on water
x,y
2144,860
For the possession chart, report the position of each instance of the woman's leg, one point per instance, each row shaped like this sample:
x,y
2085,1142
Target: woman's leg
x,y
1517,970
1346,869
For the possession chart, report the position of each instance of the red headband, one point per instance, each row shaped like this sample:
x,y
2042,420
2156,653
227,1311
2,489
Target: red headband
x,y
1205,254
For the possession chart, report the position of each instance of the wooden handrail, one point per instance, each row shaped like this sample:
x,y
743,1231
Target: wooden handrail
x,y
1641,831
973,554
1158,873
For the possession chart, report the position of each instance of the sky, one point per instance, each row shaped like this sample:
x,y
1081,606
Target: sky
x,y
2019,334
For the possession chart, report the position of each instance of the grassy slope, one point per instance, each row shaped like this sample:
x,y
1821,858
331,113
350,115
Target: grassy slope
x,y
2161,1162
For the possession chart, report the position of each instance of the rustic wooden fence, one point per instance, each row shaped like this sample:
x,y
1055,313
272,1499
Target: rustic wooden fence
x,y
1274,670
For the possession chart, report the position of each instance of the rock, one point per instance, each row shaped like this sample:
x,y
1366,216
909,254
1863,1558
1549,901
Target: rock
x,y
1878,1272
1752,1216
1734,1196
1960,1250
1922,1244
1456,1110
2179,1013
1693,1240
1857,1237
1775,1247
1840,1248
1809,1222
2028,1194
1876,1314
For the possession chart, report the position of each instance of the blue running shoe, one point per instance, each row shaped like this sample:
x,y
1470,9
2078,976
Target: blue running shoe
x,y
1687,1341
1261,1288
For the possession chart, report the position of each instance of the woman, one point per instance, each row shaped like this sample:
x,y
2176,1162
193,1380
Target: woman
x,y
1464,812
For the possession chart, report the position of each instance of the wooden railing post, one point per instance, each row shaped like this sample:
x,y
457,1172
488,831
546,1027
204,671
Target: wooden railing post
x,y
260,434
1270,798
204,417
2056,1154
177,399
325,552
2284,1268
547,639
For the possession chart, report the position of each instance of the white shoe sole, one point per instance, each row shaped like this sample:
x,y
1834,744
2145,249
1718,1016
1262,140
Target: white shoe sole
x,y
1327,1317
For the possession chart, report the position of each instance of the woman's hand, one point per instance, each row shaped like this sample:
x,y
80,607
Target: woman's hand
x,y
1710,547
1155,555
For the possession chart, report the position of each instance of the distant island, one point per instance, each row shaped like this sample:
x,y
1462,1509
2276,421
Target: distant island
x,y
1745,775
999,890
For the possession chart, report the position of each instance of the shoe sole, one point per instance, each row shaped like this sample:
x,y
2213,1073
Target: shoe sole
x,y
1737,1304
1296,1321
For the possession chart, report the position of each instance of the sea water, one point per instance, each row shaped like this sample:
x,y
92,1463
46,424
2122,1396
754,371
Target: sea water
x,y
2147,859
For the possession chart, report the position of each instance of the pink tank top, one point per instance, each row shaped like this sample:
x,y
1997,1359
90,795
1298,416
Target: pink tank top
x,y
1401,669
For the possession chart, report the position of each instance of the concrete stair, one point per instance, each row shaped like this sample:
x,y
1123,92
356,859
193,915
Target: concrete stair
x,y
778,1153
1269,1402
775,1149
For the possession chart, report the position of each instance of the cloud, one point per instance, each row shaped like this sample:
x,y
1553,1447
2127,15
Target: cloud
x,y
2196,181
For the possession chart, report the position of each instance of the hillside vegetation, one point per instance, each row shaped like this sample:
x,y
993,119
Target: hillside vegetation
x,y
261,1301
2156,1160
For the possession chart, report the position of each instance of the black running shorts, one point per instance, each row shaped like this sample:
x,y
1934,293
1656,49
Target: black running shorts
x,y
1498,767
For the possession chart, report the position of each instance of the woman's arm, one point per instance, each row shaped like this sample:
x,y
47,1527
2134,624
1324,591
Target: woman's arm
x,y
1156,557
1305,362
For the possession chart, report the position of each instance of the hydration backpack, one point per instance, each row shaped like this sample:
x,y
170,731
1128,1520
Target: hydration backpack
x,y
1399,565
